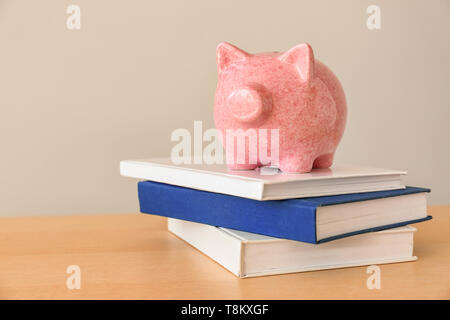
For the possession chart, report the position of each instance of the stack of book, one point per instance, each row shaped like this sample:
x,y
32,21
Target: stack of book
x,y
264,222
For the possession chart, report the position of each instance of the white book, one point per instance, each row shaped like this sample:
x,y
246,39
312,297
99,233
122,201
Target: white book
x,y
251,255
264,183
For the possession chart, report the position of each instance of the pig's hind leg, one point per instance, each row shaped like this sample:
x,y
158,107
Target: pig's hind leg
x,y
324,161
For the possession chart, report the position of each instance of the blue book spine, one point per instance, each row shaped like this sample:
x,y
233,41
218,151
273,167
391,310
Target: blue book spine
x,y
293,219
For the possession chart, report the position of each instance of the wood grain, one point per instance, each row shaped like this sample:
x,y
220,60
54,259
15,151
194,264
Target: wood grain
x,y
132,256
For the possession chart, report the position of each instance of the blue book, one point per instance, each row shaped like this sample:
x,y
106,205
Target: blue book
x,y
313,220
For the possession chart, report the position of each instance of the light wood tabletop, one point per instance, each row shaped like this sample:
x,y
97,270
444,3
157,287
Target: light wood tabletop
x,y
133,256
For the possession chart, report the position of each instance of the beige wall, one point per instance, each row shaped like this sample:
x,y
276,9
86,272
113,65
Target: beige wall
x,y
74,103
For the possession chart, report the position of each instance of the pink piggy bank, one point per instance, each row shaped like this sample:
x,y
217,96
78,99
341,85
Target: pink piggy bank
x,y
288,106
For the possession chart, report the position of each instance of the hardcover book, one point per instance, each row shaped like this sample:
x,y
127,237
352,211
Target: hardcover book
x,y
264,183
251,255
312,220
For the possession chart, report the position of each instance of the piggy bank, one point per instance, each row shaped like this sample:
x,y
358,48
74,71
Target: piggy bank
x,y
283,109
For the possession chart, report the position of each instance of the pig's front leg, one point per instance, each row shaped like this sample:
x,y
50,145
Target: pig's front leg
x,y
296,163
235,166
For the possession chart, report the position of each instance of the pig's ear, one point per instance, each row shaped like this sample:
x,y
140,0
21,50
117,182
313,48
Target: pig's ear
x,y
227,54
302,57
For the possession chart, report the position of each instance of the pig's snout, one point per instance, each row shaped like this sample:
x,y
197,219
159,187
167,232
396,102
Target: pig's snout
x,y
250,103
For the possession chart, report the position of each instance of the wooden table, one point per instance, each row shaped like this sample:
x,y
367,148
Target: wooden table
x,y
133,256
